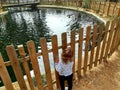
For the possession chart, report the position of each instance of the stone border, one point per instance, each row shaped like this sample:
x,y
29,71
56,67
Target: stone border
x,y
91,12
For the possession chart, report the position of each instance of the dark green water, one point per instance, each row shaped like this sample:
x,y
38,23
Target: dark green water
x,y
18,27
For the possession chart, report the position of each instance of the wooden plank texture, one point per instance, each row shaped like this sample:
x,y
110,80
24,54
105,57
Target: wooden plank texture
x,y
104,41
5,75
64,40
34,60
26,67
80,51
98,44
73,47
55,54
16,66
86,48
109,41
46,63
93,45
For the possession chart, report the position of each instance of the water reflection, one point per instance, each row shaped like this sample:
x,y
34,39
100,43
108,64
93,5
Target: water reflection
x,y
19,27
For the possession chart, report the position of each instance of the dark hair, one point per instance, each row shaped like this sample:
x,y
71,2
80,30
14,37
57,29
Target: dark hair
x,y
67,56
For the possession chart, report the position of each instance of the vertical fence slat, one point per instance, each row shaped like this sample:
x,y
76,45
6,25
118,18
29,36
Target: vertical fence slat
x,y
98,44
102,7
16,66
26,67
55,54
113,42
46,63
107,7
104,41
116,35
34,60
93,46
5,75
73,47
112,7
64,40
98,6
80,51
108,40
86,48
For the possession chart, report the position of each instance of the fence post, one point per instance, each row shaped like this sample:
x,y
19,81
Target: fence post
x,y
4,75
26,67
98,44
86,48
16,66
73,48
93,45
110,38
104,41
64,40
34,60
55,54
80,51
46,61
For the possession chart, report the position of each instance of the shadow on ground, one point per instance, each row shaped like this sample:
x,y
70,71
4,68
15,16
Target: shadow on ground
x,y
103,77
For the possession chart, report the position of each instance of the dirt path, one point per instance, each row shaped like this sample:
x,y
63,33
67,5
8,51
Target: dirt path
x,y
104,77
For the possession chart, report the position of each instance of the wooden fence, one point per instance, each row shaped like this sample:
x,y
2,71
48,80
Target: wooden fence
x,y
99,45
106,8
103,8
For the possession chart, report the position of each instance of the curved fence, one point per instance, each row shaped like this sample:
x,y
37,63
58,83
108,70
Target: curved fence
x,y
102,8
107,42
99,45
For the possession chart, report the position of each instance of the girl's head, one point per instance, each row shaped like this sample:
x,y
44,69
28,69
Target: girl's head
x,y
67,54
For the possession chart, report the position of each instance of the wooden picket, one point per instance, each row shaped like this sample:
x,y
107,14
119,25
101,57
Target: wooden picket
x,y
26,67
80,51
46,63
55,55
102,6
4,75
73,47
16,66
86,48
108,44
106,9
93,46
98,44
111,10
33,58
64,40
104,41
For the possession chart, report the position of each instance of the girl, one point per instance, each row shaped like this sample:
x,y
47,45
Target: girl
x,y
64,68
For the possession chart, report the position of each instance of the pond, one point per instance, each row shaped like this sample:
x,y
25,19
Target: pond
x,y
20,26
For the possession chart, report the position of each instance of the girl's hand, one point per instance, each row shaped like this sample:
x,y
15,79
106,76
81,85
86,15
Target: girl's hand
x,y
56,59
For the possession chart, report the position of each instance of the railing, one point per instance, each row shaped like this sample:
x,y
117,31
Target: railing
x,y
107,41
15,3
103,8
103,43
106,8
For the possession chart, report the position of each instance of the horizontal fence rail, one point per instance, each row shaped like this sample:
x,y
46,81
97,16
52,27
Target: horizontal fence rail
x,y
99,45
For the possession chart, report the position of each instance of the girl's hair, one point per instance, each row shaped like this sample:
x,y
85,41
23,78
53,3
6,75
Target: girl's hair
x,y
67,56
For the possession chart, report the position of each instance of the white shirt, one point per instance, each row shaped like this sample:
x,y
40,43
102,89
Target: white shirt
x,y
64,69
